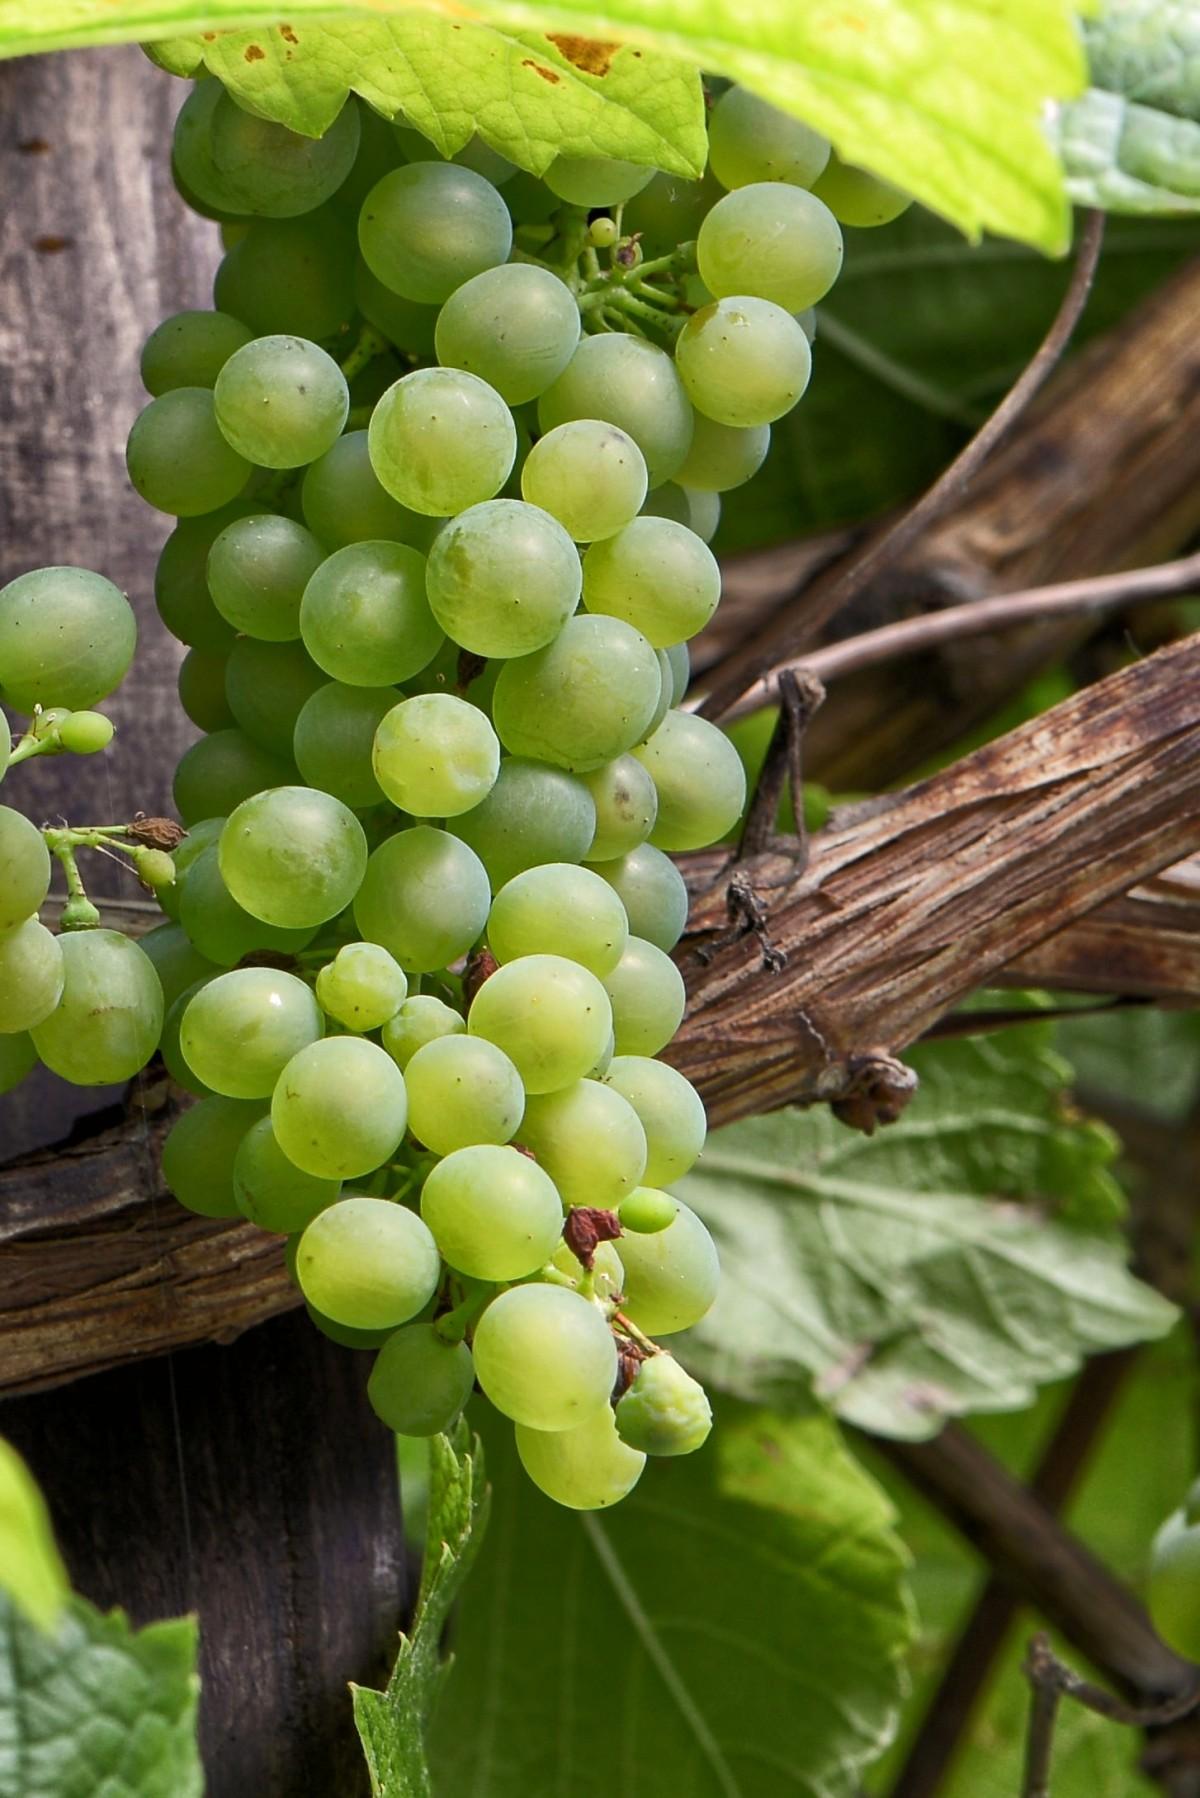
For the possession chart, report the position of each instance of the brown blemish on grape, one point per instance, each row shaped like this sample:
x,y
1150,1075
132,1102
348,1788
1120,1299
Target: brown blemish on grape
x,y
590,54
550,75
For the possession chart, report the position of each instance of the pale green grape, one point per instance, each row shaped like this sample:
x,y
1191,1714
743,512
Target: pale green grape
x,y
463,1090
189,349
31,975
199,836
338,1111
596,180
436,755
420,1382
365,618
420,1020
589,475
646,992
293,856
441,440
723,456
516,327
219,927
700,512
220,771
550,1016
751,140
632,384
362,987
652,890
66,638
181,581
18,1057
405,323
257,166
665,1411
856,198
177,962
267,686
107,1023
173,1058
271,1190
429,226
647,1211
85,733
545,1356
744,361
294,275
533,814
586,1468
280,401
700,780
656,575
560,909
344,501
666,679
425,897
201,682
626,807
177,458
681,671
334,738
584,699
241,1029
368,1263
777,242
495,1214
504,577
671,1277
24,868
258,569
668,212
589,1140
199,1154
671,1111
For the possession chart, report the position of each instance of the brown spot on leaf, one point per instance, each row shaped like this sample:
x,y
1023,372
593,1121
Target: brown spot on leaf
x,y
209,37
550,75
288,35
254,53
590,54
51,244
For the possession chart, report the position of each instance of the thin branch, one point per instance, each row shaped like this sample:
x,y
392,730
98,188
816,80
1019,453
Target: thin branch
x,y
1039,1742
1046,1672
800,694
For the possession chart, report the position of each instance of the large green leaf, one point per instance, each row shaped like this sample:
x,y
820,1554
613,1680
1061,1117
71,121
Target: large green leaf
x,y
951,1263
1131,143
733,1629
31,1569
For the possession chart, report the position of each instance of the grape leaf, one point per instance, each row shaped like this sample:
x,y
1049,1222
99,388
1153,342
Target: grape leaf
x,y
733,1629
953,1262
31,1569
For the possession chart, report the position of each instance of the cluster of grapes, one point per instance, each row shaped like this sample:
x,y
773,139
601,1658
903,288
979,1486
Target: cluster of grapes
x,y
445,461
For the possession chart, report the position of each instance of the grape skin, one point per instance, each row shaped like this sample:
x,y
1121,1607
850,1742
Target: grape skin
x,y
463,1091
272,1191
26,863
550,1016
242,1028
586,1468
586,698
671,1113
562,910
545,1356
646,992
589,1140
515,326
293,856
109,1018
339,1110
435,756
67,637
494,1214
419,1382
744,361
504,577
31,976
441,440
671,1277
367,1263
425,897
420,1020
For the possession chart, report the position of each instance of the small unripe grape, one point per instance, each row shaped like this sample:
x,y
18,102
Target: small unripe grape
x,y
602,232
362,987
155,868
83,733
665,1411
647,1211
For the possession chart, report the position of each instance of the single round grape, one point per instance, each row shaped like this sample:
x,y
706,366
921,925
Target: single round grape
x,y
545,1356
26,864
560,909
334,738
533,814
744,361
267,686
700,780
461,1091
406,323
199,836
199,1154
665,1411
177,458
18,1057
107,1023
177,961
723,456
67,637
516,327
587,1468
857,198
189,349
750,140
626,807
368,1263
272,1191
776,242
420,1382
589,1140
584,699
603,233
169,1048
293,275
656,575
339,1110
589,475
241,1029
420,1020
365,618
429,226
258,569
362,987
281,401
632,384
293,856
344,501
504,577
220,771
596,180
343,1335
441,440
646,992
85,733
425,897
436,755
652,890
257,166
550,1016
220,928
671,1112
647,1211
1175,1578
671,1277
181,581
31,975
495,1214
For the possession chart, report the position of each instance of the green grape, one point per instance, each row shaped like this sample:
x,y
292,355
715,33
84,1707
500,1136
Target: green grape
x,y
504,578
723,456
551,1017
671,1277
292,275
529,200
603,233
221,771
495,1215
181,581
66,638
776,242
668,212
857,198
545,1356
750,140
107,1023
173,1058
429,226
533,814
281,401
425,897
700,780
199,1154
420,1020
420,1382
177,458
563,910
436,756
362,987
632,384
378,152
405,323
343,1335
218,926
85,733
656,575
596,180
652,890
25,861
586,1468
516,327
646,992
670,1110
293,856
1175,1577
154,868
344,501
334,738
339,1110
744,361
626,807
31,975
665,1411
18,1057
365,618
189,349
258,568
272,1191
254,165
584,699
441,440
201,683
241,1029
666,686
589,1140
647,1211
589,475
197,839
463,1090
681,671
177,962
368,1263
267,686
476,154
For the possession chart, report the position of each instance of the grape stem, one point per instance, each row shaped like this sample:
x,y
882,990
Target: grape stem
x,y
631,1330
453,1325
30,745
371,343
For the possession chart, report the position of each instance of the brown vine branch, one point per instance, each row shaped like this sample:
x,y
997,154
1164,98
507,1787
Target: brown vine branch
x,y
1052,1681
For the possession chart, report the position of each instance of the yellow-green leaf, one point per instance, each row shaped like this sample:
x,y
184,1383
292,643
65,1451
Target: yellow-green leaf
x,y
31,1569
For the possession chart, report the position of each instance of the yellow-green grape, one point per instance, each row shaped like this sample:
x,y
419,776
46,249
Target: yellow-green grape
x,y
585,1469
362,987
179,459
66,638
31,976
85,733
436,755
632,384
596,180
425,897
681,671
559,909
645,990
777,242
856,198
751,140
723,456
420,1020
220,771
199,1154
220,928
292,275
334,737
281,401
545,1356
671,1276
108,1020
744,361
516,327
427,227
367,1263
699,778
533,814
463,1091
181,592
345,502
293,856
494,1213
589,1140
239,162
626,807
550,1016
584,699
504,577
420,1382
272,1191
339,1110
25,860
665,1411
589,475
258,568
154,868
189,349
267,686
441,440
602,233
647,1211
241,1029
652,890
658,576
365,617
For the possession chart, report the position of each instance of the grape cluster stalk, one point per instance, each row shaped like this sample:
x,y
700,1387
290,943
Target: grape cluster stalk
x,y
444,461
